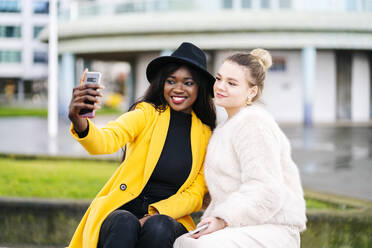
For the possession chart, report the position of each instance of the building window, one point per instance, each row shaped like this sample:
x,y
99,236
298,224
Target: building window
x,y
37,30
10,6
265,4
246,4
40,57
10,31
351,5
10,56
41,7
285,4
279,64
367,5
123,8
227,4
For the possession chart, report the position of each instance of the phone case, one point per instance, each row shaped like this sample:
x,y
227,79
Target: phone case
x,y
97,78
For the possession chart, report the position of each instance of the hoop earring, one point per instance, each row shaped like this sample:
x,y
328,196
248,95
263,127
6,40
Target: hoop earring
x,y
249,101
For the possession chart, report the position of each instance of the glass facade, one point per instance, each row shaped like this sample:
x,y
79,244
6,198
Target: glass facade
x,y
265,4
246,4
367,5
96,8
10,6
123,8
41,7
37,30
279,64
40,57
9,56
10,32
227,4
285,4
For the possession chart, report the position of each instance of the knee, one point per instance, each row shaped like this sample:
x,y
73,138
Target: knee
x,y
159,225
122,220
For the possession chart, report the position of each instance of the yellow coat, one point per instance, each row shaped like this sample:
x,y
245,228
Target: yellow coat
x,y
144,130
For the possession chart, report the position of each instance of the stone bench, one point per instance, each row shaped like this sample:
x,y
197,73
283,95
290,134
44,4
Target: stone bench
x,y
51,223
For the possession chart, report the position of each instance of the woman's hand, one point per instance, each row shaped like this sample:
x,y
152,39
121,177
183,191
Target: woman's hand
x,y
145,217
80,96
214,224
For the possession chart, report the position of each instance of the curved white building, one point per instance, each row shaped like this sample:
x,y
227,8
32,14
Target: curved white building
x,y
321,48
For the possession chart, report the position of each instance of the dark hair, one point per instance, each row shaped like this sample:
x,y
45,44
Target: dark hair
x,y
203,105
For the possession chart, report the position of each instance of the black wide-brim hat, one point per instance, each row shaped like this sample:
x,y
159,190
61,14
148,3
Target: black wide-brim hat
x,y
188,54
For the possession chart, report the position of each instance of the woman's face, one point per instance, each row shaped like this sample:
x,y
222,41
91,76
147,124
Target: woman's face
x,y
231,89
180,90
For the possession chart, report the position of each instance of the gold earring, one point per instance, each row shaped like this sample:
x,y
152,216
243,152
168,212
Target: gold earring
x,y
249,101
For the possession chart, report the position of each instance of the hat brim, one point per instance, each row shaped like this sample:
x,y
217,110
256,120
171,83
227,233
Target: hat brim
x,y
154,66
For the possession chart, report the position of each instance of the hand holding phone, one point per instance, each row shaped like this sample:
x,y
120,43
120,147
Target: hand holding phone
x,y
199,229
94,78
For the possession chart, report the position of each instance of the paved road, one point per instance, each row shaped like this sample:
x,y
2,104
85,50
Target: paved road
x,y
334,159
331,159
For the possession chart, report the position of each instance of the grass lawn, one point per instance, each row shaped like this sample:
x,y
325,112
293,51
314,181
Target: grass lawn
x,y
77,179
318,204
43,112
13,111
110,111
69,179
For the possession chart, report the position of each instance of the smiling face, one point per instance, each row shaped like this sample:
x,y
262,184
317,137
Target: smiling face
x,y
180,90
232,89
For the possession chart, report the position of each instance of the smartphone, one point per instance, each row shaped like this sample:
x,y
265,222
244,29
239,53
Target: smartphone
x,y
199,229
94,78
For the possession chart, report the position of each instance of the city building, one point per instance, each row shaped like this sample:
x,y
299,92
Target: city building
x,y
23,58
321,48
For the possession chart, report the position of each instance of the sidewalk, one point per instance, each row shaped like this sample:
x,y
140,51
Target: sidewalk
x,y
29,135
331,159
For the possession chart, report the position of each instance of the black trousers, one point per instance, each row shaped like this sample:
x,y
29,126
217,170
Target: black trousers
x,y
122,229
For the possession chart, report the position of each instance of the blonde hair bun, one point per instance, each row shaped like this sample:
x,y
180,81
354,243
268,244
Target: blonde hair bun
x,y
263,57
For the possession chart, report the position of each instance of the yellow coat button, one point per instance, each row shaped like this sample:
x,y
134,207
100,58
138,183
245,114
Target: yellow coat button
x,y
123,186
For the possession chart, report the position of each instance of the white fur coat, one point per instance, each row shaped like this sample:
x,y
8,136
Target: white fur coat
x,y
250,174
254,185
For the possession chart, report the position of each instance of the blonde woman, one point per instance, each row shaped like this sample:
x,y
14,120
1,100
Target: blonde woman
x,y
256,194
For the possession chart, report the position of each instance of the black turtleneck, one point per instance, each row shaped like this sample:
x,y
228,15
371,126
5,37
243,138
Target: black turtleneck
x,y
174,165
